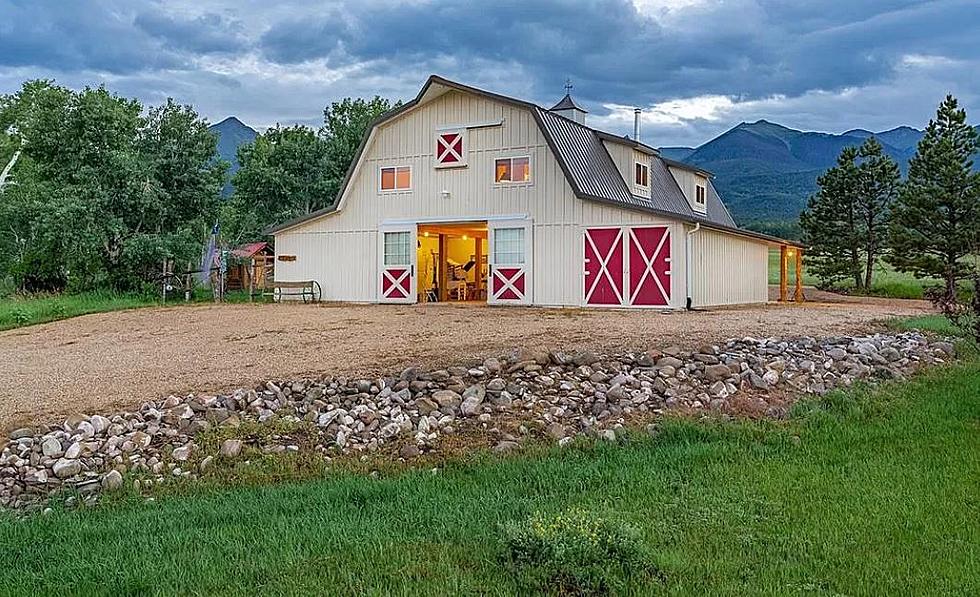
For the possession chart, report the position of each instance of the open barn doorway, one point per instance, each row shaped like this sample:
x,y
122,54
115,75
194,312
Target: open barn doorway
x,y
452,262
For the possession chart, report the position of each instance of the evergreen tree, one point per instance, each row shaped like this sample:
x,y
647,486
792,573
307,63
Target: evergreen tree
x,y
830,221
846,221
935,222
879,181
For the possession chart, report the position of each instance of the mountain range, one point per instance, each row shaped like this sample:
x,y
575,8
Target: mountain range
x,y
765,171
231,133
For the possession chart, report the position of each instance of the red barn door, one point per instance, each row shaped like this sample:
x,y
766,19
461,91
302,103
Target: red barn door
x,y
649,266
604,266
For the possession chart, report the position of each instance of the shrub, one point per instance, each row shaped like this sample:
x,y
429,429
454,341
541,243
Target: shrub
x,y
577,553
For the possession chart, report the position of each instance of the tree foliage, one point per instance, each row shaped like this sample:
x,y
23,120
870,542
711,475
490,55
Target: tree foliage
x,y
104,190
845,223
288,172
936,220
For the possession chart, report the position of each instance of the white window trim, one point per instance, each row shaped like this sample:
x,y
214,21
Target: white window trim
x,y
645,187
512,183
702,206
411,180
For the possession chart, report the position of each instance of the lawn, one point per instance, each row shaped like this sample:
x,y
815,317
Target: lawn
x,y
19,311
887,282
869,492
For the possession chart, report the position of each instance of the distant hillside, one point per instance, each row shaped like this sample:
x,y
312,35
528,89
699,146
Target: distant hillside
x,y
765,171
232,133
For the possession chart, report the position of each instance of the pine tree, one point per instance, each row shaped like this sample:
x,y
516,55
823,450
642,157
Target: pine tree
x,y
879,181
935,222
830,220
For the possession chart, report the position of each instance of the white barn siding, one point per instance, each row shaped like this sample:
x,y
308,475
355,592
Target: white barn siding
x,y
728,270
340,250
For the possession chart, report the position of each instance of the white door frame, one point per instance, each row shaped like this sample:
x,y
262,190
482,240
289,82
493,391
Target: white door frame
x,y
397,278
525,269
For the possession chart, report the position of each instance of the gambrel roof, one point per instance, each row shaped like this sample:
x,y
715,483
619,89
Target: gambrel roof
x,y
586,163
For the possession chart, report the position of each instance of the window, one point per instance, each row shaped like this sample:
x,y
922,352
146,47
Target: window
x,y
642,175
397,248
396,178
699,192
508,246
512,170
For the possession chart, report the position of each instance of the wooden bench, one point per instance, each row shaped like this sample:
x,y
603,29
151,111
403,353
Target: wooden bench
x,y
309,290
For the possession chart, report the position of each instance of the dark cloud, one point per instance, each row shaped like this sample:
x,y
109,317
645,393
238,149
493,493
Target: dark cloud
x,y
743,47
96,35
808,61
207,33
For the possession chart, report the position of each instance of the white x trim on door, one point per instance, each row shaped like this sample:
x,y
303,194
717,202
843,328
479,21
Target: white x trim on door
x,y
648,269
604,265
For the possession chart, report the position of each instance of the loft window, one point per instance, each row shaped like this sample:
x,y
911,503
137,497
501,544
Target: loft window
x,y
451,148
396,178
641,175
512,170
699,194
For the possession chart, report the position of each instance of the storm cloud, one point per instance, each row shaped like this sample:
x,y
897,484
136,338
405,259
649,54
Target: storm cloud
x,y
697,67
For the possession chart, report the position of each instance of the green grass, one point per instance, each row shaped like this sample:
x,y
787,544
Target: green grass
x,y
20,311
860,493
887,282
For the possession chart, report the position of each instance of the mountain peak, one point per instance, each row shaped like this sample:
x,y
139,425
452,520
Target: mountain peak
x,y
231,122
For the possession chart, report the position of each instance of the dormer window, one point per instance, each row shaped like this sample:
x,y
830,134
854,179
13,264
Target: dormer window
x,y
641,175
699,195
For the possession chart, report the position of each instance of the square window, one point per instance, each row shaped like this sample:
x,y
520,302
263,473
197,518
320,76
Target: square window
x,y
397,248
396,178
512,170
508,246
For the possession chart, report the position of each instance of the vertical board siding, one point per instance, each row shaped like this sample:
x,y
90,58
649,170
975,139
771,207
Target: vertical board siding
x,y
728,270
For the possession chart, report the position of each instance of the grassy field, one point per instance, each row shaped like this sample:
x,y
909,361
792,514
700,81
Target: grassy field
x,y
887,281
859,493
19,311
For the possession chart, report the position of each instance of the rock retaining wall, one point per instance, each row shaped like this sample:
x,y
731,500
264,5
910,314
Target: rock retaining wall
x,y
557,395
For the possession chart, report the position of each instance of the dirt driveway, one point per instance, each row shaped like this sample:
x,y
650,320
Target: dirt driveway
x,y
120,359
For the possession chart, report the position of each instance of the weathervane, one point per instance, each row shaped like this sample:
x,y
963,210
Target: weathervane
x,y
568,86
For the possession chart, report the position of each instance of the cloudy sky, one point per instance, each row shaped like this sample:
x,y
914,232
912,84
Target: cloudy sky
x,y
697,67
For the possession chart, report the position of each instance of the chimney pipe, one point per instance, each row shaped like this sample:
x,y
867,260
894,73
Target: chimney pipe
x,y
636,124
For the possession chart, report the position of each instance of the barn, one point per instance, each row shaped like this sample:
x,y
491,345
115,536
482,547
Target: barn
x,y
467,195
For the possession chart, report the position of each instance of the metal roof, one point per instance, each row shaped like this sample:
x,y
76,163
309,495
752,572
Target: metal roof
x,y
567,103
587,165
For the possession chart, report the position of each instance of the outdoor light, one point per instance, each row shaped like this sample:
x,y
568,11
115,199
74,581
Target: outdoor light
x,y
445,194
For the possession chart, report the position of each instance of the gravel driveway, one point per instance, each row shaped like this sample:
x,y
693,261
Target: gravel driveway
x,y
117,360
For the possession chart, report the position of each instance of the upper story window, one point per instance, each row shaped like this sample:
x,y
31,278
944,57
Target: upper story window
x,y
396,178
699,195
641,175
507,170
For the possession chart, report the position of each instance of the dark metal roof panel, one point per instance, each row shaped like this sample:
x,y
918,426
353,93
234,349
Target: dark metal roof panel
x,y
717,212
567,103
584,158
665,194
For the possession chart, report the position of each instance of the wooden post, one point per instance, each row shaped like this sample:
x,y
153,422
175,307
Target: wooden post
x,y
798,295
783,282
478,266
443,273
